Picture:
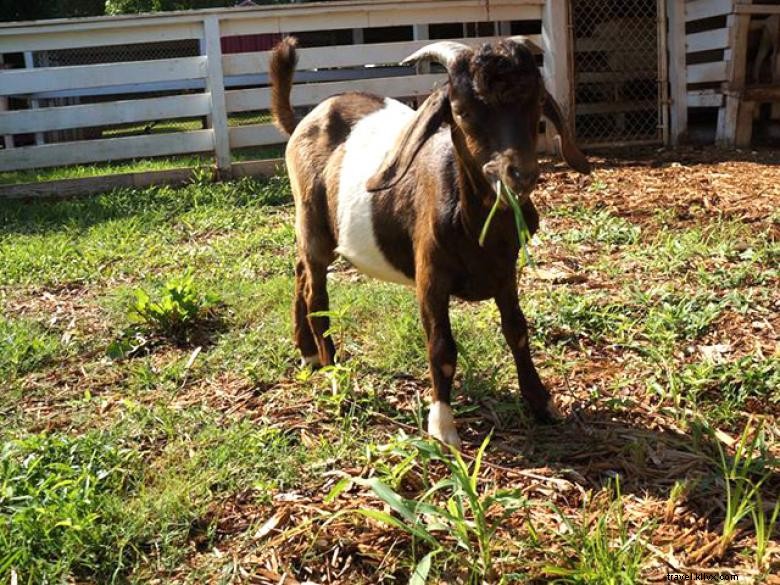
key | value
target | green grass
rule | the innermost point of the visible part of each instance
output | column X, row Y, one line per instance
column 136, row 165
column 25, row 346
column 605, row 551
column 139, row 464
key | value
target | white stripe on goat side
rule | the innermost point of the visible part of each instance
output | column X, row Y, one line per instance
column 365, row 149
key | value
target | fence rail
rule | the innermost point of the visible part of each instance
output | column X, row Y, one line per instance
column 217, row 87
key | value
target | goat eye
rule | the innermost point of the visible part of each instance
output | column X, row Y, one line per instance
column 462, row 115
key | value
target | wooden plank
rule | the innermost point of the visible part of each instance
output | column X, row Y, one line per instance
column 71, row 153
column 744, row 124
column 29, row 63
column 255, row 135
column 762, row 94
column 216, row 87
column 52, row 38
column 663, row 71
column 378, row 14
column 678, row 81
column 729, row 118
column 708, row 40
column 244, row 100
column 104, row 114
column 8, row 140
column 707, row 72
column 257, row 168
column 757, row 9
column 83, row 186
column 94, row 185
column 339, row 56
column 700, row 9
column 19, row 82
column 707, row 98
column 558, row 75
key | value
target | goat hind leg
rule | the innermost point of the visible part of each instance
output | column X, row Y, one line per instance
column 317, row 302
column 302, row 333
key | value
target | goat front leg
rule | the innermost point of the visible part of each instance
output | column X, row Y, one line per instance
column 515, row 329
column 442, row 357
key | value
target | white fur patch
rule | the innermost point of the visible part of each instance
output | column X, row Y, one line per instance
column 365, row 149
column 311, row 360
column 441, row 424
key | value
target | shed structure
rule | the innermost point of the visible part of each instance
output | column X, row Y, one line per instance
column 724, row 71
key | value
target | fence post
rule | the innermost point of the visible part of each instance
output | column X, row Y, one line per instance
column 215, row 84
column 558, row 72
column 8, row 139
column 735, row 118
column 678, row 75
column 29, row 63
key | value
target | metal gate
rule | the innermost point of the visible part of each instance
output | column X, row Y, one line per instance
column 619, row 81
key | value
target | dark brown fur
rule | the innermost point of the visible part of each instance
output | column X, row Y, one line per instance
column 431, row 200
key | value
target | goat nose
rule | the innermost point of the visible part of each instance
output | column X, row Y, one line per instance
column 515, row 173
column 521, row 178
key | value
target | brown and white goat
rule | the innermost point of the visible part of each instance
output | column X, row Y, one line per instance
column 403, row 195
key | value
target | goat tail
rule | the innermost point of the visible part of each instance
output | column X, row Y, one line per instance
column 283, row 61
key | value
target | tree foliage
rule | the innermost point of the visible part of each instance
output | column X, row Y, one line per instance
column 40, row 9
column 135, row 6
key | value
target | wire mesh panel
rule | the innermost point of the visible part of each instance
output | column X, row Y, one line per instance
column 616, row 70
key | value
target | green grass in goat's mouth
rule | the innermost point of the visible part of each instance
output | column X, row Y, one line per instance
column 523, row 234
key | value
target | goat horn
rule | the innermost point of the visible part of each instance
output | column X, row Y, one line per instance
column 444, row 52
column 528, row 43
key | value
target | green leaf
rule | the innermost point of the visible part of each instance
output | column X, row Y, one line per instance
column 478, row 461
column 420, row 573
column 341, row 485
column 391, row 498
column 386, row 518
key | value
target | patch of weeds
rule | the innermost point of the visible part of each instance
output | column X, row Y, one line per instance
column 671, row 250
column 567, row 316
column 764, row 525
column 603, row 227
column 24, row 347
column 452, row 515
column 178, row 312
column 60, row 506
column 723, row 387
column 603, row 550
column 672, row 316
column 743, row 476
column 735, row 276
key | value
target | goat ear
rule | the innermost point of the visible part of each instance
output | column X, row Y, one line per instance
column 430, row 116
column 571, row 153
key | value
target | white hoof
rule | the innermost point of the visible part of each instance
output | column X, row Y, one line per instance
column 441, row 424
column 311, row 360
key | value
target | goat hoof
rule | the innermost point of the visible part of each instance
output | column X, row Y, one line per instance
column 313, row 361
column 441, row 425
column 550, row 414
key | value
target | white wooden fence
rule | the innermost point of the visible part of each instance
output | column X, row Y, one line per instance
column 215, row 85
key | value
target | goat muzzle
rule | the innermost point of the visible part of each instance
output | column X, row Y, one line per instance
column 520, row 182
